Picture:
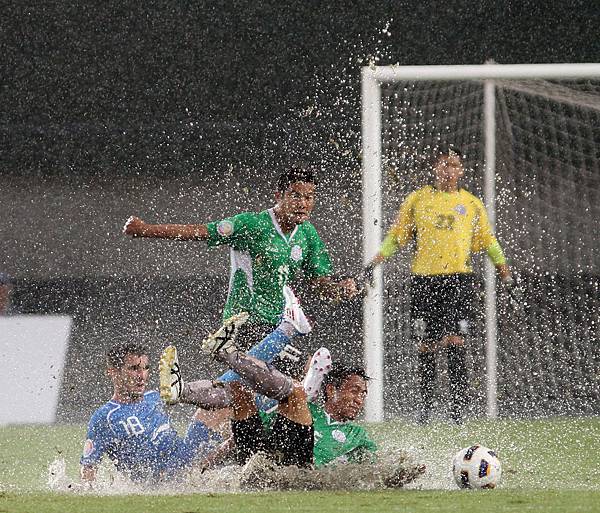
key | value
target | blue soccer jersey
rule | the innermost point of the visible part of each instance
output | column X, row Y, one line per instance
column 139, row 439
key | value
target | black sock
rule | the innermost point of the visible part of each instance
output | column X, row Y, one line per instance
column 427, row 385
column 457, row 372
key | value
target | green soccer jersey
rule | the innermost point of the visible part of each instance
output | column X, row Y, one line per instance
column 339, row 442
column 335, row 442
column 264, row 259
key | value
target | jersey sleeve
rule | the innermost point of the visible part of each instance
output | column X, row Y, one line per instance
column 402, row 231
column 98, row 435
column 232, row 231
column 318, row 261
column 483, row 236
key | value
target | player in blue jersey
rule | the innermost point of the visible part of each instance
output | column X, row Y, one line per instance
column 133, row 430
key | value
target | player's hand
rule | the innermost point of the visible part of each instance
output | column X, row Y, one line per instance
column 349, row 288
column 515, row 291
column 368, row 276
column 134, row 226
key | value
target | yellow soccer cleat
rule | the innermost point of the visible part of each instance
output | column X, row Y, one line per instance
column 223, row 340
column 169, row 375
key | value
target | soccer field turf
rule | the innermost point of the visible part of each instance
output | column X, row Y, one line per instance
column 549, row 465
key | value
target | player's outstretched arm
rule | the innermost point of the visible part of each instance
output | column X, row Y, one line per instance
column 136, row 227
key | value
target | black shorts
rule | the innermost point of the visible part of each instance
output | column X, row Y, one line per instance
column 286, row 442
column 441, row 305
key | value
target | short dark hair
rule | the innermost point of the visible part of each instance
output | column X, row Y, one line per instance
column 446, row 150
column 340, row 373
column 297, row 173
column 115, row 358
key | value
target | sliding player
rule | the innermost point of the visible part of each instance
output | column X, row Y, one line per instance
column 133, row 430
column 298, row 432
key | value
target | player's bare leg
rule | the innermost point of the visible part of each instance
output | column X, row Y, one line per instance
column 173, row 389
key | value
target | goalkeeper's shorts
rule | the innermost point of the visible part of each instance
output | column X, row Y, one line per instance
column 442, row 305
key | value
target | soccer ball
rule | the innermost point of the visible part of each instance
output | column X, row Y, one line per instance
column 476, row 467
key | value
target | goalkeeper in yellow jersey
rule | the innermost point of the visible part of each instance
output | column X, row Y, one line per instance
column 447, row 224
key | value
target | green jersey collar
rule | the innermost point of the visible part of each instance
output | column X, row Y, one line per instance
column 278, row 228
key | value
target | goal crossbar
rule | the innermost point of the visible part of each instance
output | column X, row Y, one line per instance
column 390, row 74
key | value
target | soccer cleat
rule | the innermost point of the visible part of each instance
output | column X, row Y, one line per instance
column 320, row 365
column 293, row 313
column 169, row 375
column 223, row 340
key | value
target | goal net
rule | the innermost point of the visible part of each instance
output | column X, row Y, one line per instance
column 546, row 185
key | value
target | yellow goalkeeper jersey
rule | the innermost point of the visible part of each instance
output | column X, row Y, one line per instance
column 447, row 228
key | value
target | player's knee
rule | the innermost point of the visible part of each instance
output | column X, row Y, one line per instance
column 453, row 341
column 295, row 405
column 298, row 393
column 427, row 347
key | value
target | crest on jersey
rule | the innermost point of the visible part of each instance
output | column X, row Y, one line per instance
column 225, row 228
column 460, row 209
column 296, row 253
column 88, row 448
column 338, row 436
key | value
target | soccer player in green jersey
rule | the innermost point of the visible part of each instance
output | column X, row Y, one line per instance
column 266, row 250
column 299, row 432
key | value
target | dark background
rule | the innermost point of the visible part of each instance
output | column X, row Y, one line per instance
column 185, row 112
column 180, row 87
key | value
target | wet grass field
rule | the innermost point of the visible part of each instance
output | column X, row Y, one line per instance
column 549, row 465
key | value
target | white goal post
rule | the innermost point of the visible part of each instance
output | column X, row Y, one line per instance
column 373, row 78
